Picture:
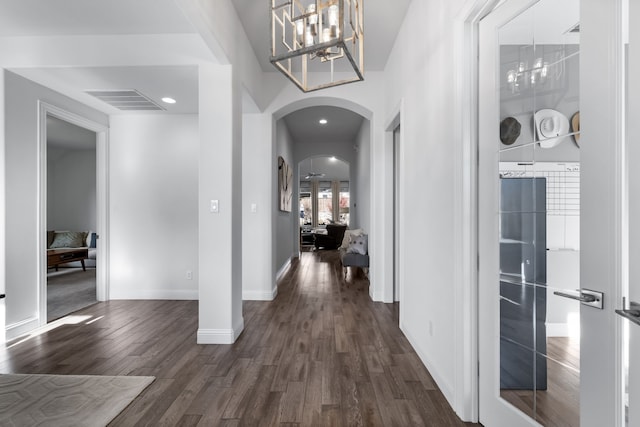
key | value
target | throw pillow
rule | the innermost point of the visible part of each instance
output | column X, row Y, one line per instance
column 68, row 239
column 358, row 245
column 347, row 237
column 92, row 243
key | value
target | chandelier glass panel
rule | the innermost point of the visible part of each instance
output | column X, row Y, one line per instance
column 318, row 44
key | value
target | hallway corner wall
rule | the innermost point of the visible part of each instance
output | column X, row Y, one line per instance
column 258, row 276
column 419, row 72
column 285, row 222
column 362, row 201
column 154, row 199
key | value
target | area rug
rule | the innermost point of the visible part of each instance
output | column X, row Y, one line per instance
column 65, row 400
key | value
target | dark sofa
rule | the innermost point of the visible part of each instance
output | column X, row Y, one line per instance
column 333, row 238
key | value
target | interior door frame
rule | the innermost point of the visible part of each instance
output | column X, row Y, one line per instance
column 397, row 199
column 465, row 177
column 603, row 160
column 394, row 180
column 102, row 201
column 633, row 151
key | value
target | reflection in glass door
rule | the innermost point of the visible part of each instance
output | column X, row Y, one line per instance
column 539, row 222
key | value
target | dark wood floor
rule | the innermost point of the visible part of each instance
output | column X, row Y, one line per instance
column 321, row 354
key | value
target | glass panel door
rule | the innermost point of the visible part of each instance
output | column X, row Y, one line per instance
column 539, row 167
column 325, row 203
column 532, row 166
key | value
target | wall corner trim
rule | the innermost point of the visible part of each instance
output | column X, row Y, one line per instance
column 220, row 336
column 23, row 327
column 445, row 386
column 283, row 270
column 260, row 295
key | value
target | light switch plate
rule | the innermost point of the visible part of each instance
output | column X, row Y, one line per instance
column 214, row 207
column 254, row 208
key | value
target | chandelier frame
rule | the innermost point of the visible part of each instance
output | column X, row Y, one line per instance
column 311, row 33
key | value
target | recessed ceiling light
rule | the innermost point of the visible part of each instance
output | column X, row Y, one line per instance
column 168, row 100
column 333, row 158
column 323, row 121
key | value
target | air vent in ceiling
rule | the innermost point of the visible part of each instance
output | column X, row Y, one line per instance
column 126, row 100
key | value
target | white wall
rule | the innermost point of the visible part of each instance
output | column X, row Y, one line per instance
column 71, row 189
column 153, row 206
column 284, row 221
column 419, row 72
column 361, row 200
column 21, row 194
column 220, row 27
column 257, row 279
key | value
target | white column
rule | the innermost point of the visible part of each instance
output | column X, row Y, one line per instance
column 220, row 240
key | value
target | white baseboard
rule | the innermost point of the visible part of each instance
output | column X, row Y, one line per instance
column 445, row 387
column 18, row 329
column 220, row 336
column 162, row 294
column 283, row 269
column 557, row 329
column 260, row 295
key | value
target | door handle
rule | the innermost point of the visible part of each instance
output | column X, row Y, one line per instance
column 580, row 297
column 632, row 313
column 585, row 296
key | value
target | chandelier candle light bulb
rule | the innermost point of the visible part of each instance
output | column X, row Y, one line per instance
column 313, row 19
column 308, row 38
column 334, row 14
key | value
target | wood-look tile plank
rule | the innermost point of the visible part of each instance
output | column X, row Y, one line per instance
column 322, row 353
column 175, row 414
column 292, row 403
column 369, row 405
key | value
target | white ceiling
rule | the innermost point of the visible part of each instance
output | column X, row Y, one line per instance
column 342, row 125
column 178, row 82
column 43, row 18
column 83, row 17
column 334, row 169
column 382, row 20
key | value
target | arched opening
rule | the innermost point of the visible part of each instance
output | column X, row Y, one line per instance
column 329, row 145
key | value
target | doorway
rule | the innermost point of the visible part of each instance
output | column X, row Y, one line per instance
column 323, row 195
column 73, row 216
column 396, row 213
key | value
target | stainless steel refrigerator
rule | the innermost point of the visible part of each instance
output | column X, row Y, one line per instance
column 523, row 280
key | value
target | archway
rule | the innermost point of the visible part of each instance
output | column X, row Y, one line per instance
column 324, row 130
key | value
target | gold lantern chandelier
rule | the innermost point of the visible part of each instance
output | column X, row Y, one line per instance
column 318, row 44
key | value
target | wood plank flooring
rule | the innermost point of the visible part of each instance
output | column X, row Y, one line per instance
column 320, row 354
